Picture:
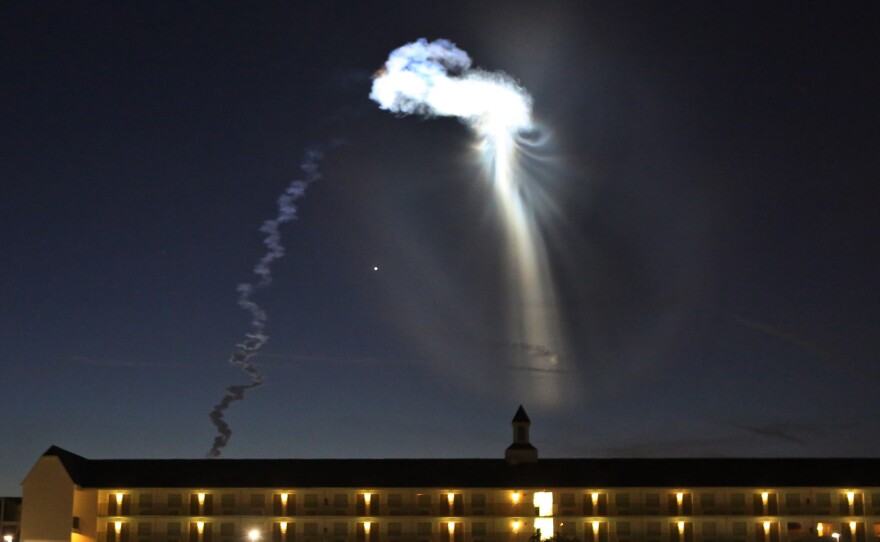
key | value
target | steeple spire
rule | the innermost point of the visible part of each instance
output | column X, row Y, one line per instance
column 521, row 451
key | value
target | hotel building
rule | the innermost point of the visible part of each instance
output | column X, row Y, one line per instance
column 516, row 499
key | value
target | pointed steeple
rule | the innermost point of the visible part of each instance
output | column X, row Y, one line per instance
column 521, row 451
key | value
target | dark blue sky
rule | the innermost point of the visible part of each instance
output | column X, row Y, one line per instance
column 715, row 243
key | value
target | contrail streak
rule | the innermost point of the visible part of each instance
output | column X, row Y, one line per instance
column 256, row 338
column 436, row 79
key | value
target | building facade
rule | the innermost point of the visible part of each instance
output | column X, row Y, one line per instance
column 516, row 499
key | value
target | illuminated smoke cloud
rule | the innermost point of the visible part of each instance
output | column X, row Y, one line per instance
column 256, row 338
column 436, row 79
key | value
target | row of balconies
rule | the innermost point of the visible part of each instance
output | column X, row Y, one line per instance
column 500, row 510
column 671, row 534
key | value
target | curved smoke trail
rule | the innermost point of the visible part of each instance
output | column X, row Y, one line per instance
column 256, row 338
column 436, row 79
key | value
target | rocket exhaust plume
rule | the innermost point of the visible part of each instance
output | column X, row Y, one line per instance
column 436, row 79
column 256, row 337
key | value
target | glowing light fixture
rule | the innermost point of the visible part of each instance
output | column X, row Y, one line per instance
column 595, row 498
column 254, row 535
column 284, row 497
column 201, row 499
column 367, row 528
column 118, row 527
column 119, row 499
column 282, row 527
column 764, row 497
column 451, row 527
column 820, row 529
column 852, row 527
column 680, row 527
column 679, row 498
column 595, row 527
column 516, row 525
column 367, row 498
column 7, row 537
column 515, row 497
column 835, row 536
column 766, row 527
column 451, row 498
column 850, row 497
column 200, row 526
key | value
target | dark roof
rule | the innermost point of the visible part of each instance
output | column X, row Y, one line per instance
column 521, row 416
column 454, row 473
column 521, row 446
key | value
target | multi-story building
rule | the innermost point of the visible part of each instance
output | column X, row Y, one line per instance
column 10, row 513
column 515, row 499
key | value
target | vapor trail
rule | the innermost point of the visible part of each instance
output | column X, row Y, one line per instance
column 256, row 337
column 436, row 79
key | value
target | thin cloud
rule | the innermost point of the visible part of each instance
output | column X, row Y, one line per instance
column 123, row 363
column 535, row 369
column 684, row 447
column 784, row 432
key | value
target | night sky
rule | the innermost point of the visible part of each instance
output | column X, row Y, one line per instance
column 711, row 171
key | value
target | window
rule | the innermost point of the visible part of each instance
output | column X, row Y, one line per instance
column 144, row 529
column 652, row 500
column 478, row 528
column 394, row 528
column 340, row 528
column 172, row 528
column 567, row 500
column 707, row 500
column 145, row 501
column 478, row 503
column 623, row 528
column 258, row 500
column 710, row 528
column 568, row 529
column 622, row 500
column 227, row 501
column 175, row 500
column 793, row 501
column 75, row 523
column 423, row 500
column 423, row 527
column 738, row 528
column 227, row 529
column 310, row 528
column 737, row 502
column 311, row 500
column 395, row 500
column 652, row 528
column 340, row 500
